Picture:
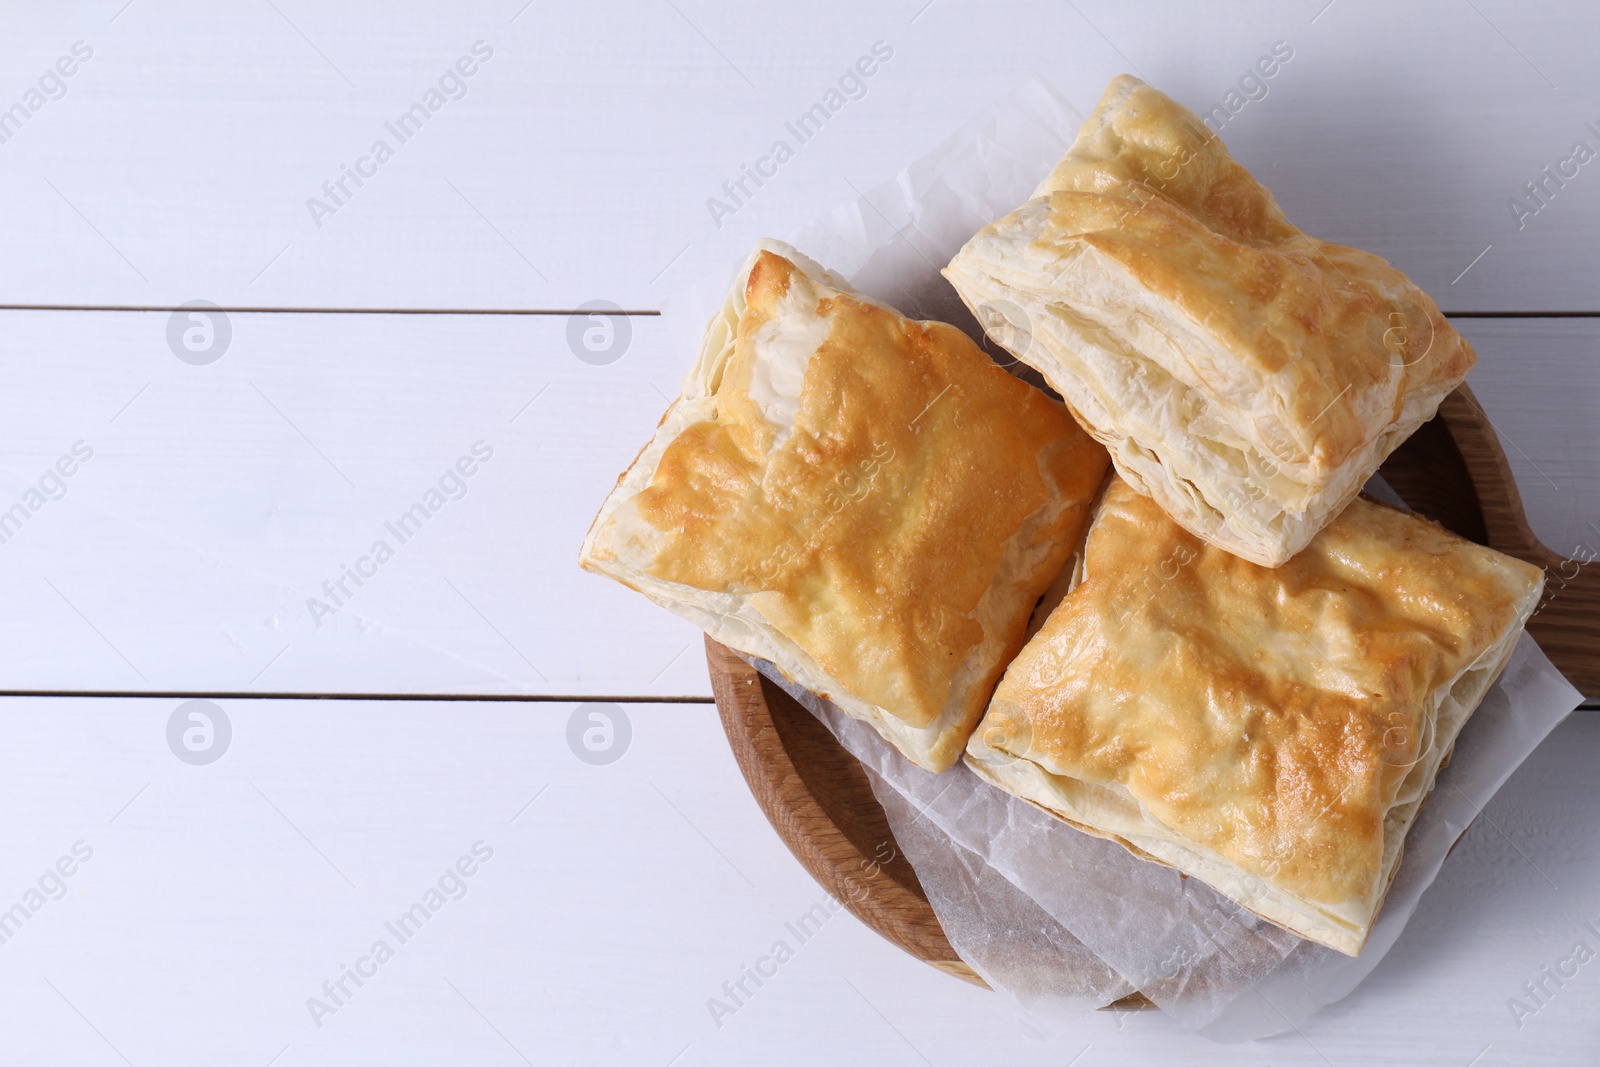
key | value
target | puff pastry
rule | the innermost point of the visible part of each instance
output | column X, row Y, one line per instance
column 867, row 501
column 1244, row 374
column 1272, row 732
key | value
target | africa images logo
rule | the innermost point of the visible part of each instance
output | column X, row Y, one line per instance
column 451, row 485
column 852, row 85
column 199, row 732
column 52, row 85
column 451, row 85
column 453, row 884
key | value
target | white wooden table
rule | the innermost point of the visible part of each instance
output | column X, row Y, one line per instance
column 372, row 336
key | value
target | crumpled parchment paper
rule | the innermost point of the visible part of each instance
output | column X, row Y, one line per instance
column 1063, row 921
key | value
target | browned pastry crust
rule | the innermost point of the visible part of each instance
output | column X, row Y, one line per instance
column 1270, row 731
column 1246, row 375
column 865, row 500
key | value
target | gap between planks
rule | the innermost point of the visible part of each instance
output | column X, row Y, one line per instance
column 630, row 312
column 132, row 308
column 498, row 698
column 1587, row 705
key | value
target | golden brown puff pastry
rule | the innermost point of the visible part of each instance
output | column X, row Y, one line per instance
column 1246, row 375
column 867, row 501
column 1272, row 732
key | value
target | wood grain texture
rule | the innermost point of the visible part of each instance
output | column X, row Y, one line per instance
column 816, row 795
column 1537, row 381
column 1567, row 622
column 818, row 798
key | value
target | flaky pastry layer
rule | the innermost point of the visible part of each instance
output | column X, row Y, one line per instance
column 1247, row 375
column 864, row 500
column 1272, row 732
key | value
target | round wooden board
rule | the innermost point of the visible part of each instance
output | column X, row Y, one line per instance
column 818, row 798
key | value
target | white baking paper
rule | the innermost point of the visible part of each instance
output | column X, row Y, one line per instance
column 1058, row 919
column 1208, row 963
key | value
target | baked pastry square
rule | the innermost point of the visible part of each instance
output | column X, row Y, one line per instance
column 1246, row 375
column 1272, row 732
column 867, row 501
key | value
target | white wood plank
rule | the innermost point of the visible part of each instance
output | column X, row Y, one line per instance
column 221, row 498
column 580, row 162
column 216, row 505
column 219, row 898
column 1539, row 382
